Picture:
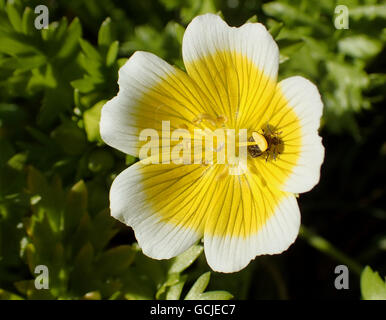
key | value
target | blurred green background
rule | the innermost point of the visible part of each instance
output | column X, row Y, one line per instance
column 55, row 172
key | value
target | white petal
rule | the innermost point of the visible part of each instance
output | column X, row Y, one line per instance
column 208, row 34
column 129, row 202
column 304, row 98
column 233, row 253
column 150, row 90
column 236, row 68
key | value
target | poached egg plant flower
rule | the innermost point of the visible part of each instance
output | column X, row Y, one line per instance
column 230, row 82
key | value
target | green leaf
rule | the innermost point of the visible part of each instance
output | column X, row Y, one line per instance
column 84, row 85
column 16, row 44
column 198, row 287
column 171, row 280
column 100, row 161
column 112, row 53
column 105, row 37
column 77, row 102
column 171, row 4
column 253, row 19
column 76, row 205
column 129, row 160
column 174, row 292
column 43, row 77
column 146, row 38
column 70, row 138
column 377, row 80
column 55, row 102
column 91, row 119
column 275, row 28
column 373, row 287
column 116, row 260
column 18, row 161
column 184, row 260
column 192, row 8
column 220, row 14
column 71, row 42
column 6, row 295
column 216, row 295
column 85, row 257
column 40, row 137
column 23, row 62
column 102, row 228
column 27, row 21
column 177, row 30
column 14, row 16
column 369, row 12
column 121, row 62
column 90, row 51
column 58, row 33
column 27, row 287
column 36, row 181
column 360, row 46
column 93, row 68
column 283, row 58
column 289, row 46
column 347, row 82
column 286, row 12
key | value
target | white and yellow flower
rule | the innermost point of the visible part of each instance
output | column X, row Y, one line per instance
column 231, row 82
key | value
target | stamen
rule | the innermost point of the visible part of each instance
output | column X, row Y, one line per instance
column 246, row 144
column 205, row 120
column 221, row 120
column 223, row 174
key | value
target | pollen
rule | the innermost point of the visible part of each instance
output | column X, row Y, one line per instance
column 205, row 121
column 260, row 140
column 258, row 146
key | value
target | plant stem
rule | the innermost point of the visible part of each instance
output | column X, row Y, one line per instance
column 326, row 247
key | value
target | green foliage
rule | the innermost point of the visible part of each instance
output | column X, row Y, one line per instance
column 72, row 241
column 36, row 61
column 373, row 287
column 197, row 290
column 91, row 119
column 55, row 171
